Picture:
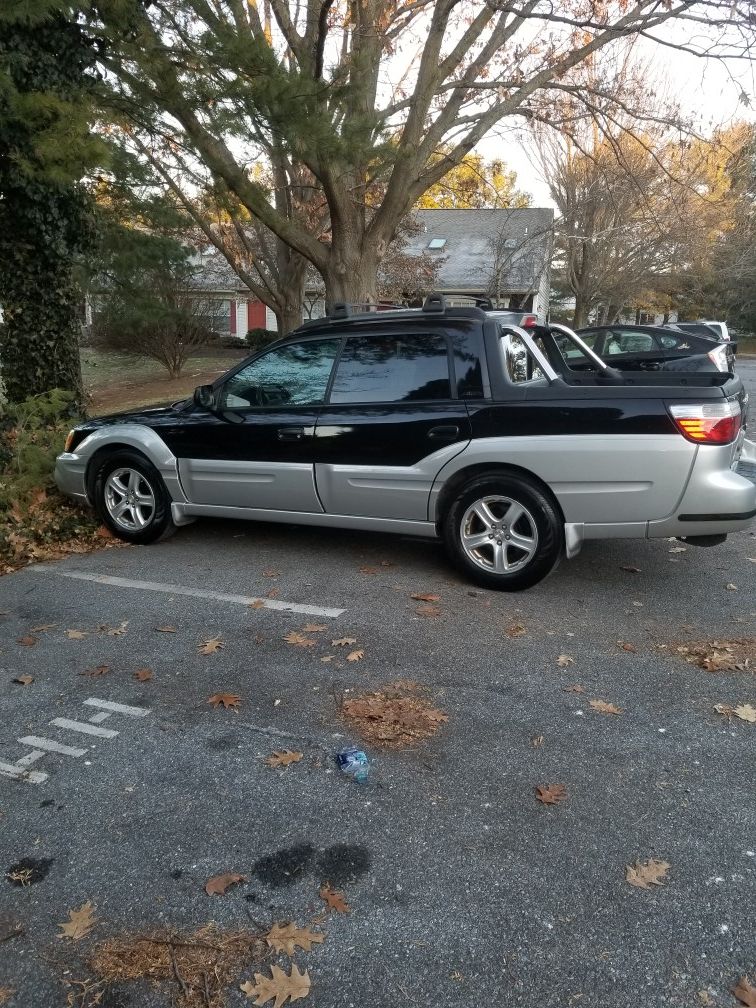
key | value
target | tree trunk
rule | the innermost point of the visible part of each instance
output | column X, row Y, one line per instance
column 355, row 284
column 582, row 307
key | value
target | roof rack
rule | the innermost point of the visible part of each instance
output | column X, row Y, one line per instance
column 434, row 303
column 339, row 309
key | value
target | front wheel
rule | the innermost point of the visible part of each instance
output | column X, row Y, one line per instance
column 131, row 498
column 503, row 532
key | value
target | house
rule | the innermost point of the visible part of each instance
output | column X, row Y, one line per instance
column 503, row 255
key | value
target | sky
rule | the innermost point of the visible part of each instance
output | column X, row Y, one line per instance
column 705, row 88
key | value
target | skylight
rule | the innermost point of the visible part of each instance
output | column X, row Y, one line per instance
column 436, row 243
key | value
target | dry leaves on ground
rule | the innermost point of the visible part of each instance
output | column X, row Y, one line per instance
column 314, row 628
column 564, row 660
column 425, row 597
column 393, row 717
column 24, row 680
column 604, row 707
column 428, row 611
column 299, row 640
column 327, row 658
column 210, row 646
column 537, row 741
column 166, row 629
column 644, row 874
column 343, row 642
column 219, row 884
column 76, row 634
column 193, row 970
column 721, row 656
column 97, row 672
column 6, row 993
column 225, row 700
column 80, row 922
column 627, row 647
column 43, row 627
column 271, row 573
column 27, row 641
column 745, row 992
column 551, row 794
column 629, row 569
column 283, row 758
column 257, row 604
column 142, row 675
column 516, row 630
column 280, row 987
column 335, row 900
column 288, row 937
column 368, row 570
column 746, row 712
column 110, row 631
column 355, row 656
column 574, row 688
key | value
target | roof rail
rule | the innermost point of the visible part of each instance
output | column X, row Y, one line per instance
column 339, row 309
column 434, row 303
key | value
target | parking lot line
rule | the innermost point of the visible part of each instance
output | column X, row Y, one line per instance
column 115, row 708
column 83, row 727
column 173, row 589
column 14, row 770
column 50, row 746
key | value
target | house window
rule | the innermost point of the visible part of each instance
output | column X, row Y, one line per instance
column 436, row 243
column 218, row 314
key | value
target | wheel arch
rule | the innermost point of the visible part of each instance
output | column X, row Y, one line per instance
column 102, row 453
column 451, row 486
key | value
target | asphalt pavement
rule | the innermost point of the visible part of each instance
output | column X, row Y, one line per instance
column 464, row 889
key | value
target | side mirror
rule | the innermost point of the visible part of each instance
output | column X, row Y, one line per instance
column 204, row 397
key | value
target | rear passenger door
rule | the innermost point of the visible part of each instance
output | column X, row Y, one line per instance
column 391, row 422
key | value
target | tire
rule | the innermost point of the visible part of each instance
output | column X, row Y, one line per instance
column 127, row 476
column 478, row 532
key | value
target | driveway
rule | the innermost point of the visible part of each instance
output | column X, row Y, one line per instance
column 464, row 888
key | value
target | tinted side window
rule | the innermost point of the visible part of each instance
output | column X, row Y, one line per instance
column 392, row 369
column 294, row 375
column 620, row 341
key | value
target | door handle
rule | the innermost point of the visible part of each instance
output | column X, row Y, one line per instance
column 446, row 432
column 290, row 433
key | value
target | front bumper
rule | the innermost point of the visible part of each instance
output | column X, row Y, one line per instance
column 70, row 476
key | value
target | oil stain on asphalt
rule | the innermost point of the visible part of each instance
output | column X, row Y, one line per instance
column 338, row 864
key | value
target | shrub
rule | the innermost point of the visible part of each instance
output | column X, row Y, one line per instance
column 258, row 339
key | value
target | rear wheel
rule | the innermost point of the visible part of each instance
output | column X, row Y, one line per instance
column 131, row 498
column 504, row 532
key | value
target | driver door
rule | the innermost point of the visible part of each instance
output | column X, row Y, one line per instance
column 256, row 450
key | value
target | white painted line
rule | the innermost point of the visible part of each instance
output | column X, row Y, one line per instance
column 83, row 727
column 31, row 776
column 173, row 589
column 50, row 746
column 117, row 708
column 102, row 716
column 30, row 758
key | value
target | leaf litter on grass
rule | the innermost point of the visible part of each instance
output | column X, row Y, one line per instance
column 397, row 715
column 194, row 970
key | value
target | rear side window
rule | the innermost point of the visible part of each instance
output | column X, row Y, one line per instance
column 620, row 341
column 519, row 363
column 392, row 368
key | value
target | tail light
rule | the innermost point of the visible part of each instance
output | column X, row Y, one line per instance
column 528, row 321
column 708, row 423
column 718, row 357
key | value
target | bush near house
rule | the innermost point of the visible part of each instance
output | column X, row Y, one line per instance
column 258, row 339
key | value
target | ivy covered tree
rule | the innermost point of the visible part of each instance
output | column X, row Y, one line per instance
column 45, row 225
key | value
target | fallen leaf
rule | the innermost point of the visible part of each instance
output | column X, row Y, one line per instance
column 395, row 716
column 166, row 629
column 745, row 992
column 604, row 707
column 355, row 656
column 225, row 699
column 627, row 647
column 725, row 710
column 575, row 688
column 6, row 993
column 425, row 597
column 95, row 673
column 428, row 611
column 630, row 570
column 368, row 570
column 80, row 922
column 257, row 604
column 745, row 712
column 271, row 573
column 314, row 628
column 731, row 587
column 143, row 675
column 273, row 593
column 644, row 874
column 537, row 741
column 334, row 899
column 705, row 998
column 118, row 631
column 343, row 641
column 24, row 680
column 678, row 549
column 283, row 758
column 76, row 634
column 551, row 794
column 299, row 640
column 516, row 630
column 210, row 646
column 43, row 627
column 288, row 937
column 327, row 658
column 27, row 641
column 218, row 884
column 280, row 985
column 564, row 660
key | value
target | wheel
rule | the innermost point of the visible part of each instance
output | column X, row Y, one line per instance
column 503, row 532
column 131, row 499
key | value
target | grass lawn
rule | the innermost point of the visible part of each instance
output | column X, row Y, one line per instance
column 116, row 381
